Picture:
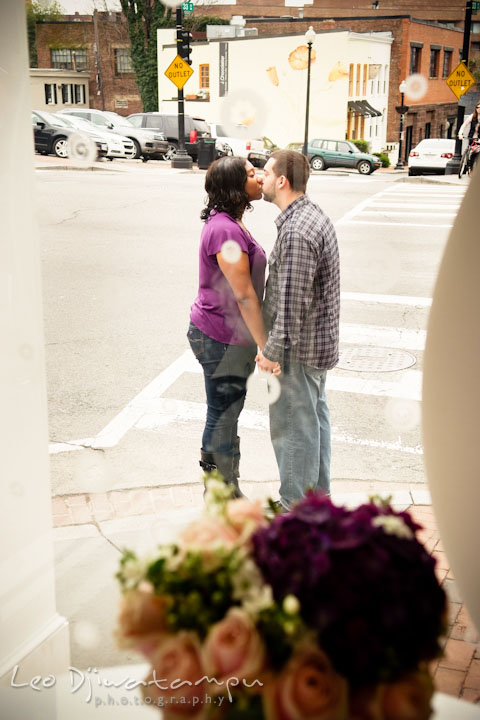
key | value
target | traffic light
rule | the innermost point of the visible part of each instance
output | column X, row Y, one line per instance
column 183, row 45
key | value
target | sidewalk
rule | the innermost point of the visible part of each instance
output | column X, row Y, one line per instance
column 157, row 513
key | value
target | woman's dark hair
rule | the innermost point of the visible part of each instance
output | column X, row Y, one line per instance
column 225, row 185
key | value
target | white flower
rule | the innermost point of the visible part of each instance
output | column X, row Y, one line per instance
column 134, row 571
column 250, row 589
column 393, row 525
column 217, row 494
column 291, row 605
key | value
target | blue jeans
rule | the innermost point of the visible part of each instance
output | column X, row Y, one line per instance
column 300, row 432
column 226, row 369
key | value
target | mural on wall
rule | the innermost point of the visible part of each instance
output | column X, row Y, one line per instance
column 282, row 81
column 338, row 72
column 298, row 58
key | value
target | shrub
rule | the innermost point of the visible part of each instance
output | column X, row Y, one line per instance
column 384, row 158
column 362, row 145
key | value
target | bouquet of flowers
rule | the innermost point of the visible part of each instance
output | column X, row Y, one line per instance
column 322, row 613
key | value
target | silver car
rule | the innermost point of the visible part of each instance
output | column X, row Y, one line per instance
column 146, row 143
column 118, row 146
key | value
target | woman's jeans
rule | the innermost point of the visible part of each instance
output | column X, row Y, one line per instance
column 226, row 369
column 300, row 432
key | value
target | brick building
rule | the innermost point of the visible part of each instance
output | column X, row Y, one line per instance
column 445, row 12
column 100, row 44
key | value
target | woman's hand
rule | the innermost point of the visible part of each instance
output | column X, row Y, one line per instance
column 267, row 365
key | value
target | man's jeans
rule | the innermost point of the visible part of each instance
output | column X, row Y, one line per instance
column 225, row 369
column 300, row 432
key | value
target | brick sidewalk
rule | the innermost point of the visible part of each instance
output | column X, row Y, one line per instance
column 456, row 673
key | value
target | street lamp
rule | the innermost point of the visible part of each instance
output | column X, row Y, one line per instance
column 309, row 39
column 402, row 109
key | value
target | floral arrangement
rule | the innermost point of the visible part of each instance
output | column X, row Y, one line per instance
column 322, row 613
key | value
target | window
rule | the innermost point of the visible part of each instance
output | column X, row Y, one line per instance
column 50, row 94
column 204, row 73
column 123, row 61
column 136, row 120
column 365, row 77
column 350, row 80
column 79, row 94
column 441, row 131
column 66, row 94
column 343, row 147
column 359, row 72
column 415, row 57
column 447, row 62
column 385, row 76
column 434, row 58
column 428, row 129
column 66, row 59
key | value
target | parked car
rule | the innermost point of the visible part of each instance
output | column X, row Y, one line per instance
column 431, row 156
column 167, row 124
column 117, row 145
column 51, row 134
column 146, row 144
column 323, row 154
column 242, row 145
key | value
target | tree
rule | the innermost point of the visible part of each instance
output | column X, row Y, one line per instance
column 38, row 12
column 143, row 18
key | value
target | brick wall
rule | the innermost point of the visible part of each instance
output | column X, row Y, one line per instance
column 442, row 10
column 111, row 33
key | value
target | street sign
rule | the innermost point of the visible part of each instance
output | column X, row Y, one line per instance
column 460, row 80
column 178, row 72
column 187, row 7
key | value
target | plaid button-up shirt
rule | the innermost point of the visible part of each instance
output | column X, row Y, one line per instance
column 302, row 297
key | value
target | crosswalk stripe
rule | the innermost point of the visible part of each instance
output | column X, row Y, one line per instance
column 182, row 412
column 397, row 224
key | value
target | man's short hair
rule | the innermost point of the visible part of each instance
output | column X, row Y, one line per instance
column 294, row 166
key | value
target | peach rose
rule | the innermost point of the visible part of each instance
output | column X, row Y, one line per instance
column 206, row 534
column 409, row 698
column 141, row 622
column 177, row 677
column 233, row 650
column 245, row 516
column 307, row 689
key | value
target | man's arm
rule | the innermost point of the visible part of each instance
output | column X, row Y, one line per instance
column 297, row 266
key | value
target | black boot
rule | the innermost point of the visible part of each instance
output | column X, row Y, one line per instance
column 224, row 464
column 236, row 467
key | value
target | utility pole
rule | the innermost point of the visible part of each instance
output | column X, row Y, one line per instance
column 181, row 159
column 453, row 165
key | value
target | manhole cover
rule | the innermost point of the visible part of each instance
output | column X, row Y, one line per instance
column 375, row 359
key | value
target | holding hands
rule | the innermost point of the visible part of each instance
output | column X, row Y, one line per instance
column 267, row 365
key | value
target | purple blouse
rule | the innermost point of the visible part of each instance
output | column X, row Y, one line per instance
column 215, row 311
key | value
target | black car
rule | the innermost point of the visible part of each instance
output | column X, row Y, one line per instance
column 51, row 135
column 195, row 130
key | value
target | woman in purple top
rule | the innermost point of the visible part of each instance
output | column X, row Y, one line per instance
column 226, row 322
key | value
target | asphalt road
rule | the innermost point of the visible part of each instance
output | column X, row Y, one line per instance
column 119, row 253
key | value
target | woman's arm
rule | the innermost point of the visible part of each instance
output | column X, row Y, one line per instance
column 463, row 128
column 239, row 279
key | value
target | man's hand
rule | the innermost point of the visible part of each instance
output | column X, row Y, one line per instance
column 267, row 365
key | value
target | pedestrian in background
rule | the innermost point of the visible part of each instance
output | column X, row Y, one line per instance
column 226, row 324
column 471, row 126
column 301, row 312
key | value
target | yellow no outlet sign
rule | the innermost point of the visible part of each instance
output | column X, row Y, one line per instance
column 461, row 80
column 178, row 72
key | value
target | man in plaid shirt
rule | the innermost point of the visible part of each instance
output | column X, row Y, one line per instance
column 301, row 311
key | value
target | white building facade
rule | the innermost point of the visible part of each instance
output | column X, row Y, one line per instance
column 261, row 82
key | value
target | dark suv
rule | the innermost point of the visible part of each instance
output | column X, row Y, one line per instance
column 168, row 125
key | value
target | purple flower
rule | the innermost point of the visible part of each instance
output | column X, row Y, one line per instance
column 364, row 582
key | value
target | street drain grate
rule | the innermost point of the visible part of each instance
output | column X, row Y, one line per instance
column 375, row 359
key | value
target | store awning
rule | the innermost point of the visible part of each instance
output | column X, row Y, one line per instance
column 363, row 107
